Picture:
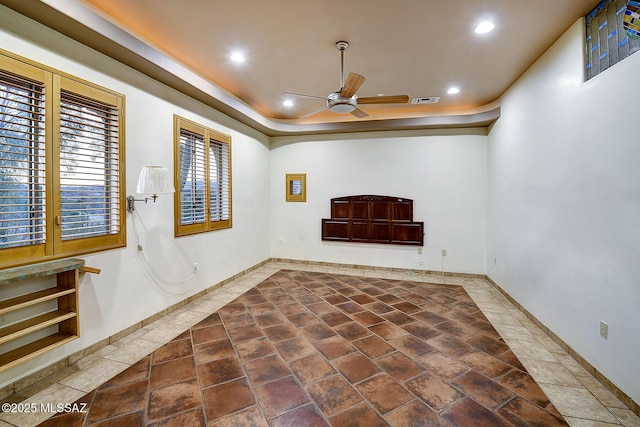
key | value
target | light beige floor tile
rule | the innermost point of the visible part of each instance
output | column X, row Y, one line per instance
column 579, row 422
column 577, row 403
column 95, row 356
column 626, row 417
column 94, row 375
column 551, row 373
column 524, row 350
column 600, row 392
column 164, row 333
column 133, row 351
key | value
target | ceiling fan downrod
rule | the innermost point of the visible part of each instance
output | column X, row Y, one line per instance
column 342, row 46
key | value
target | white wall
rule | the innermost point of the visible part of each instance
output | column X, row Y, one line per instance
column 564, row 204
column 443, row 172
column 124, row 293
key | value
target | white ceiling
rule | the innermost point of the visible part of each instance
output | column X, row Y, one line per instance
column 415, row 47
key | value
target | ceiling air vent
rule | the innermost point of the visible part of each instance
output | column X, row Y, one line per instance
column 426, row 100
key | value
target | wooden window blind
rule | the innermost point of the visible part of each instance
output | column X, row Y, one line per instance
column 61, row 165
column 203, row 162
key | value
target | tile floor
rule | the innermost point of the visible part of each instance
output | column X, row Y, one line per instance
column 347, row 351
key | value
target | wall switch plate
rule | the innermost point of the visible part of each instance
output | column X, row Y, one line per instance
column 444, row 252
column 420, row 250
column 604, row 329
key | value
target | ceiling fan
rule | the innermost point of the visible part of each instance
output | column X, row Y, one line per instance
column 345, row 100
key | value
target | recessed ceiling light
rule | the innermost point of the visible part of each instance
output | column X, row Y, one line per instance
column 288, row 103
column 237, row 57
column 484, row 27
column 453, row 90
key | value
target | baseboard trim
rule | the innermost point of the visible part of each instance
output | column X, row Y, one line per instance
column 621, row 395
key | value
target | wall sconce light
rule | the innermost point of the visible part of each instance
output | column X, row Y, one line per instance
column 153, row 180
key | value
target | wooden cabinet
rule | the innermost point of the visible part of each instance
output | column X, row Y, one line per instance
column 373, row 219
column 41, row 317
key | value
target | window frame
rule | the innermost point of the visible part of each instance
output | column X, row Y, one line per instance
column 53, row 246
column 209, row 137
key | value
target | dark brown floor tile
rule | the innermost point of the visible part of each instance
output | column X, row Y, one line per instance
column 219, row 371
column 281, row 332
column 174, row 399
column 399, row 318
column 421, row 330
column 266, row 369
column 488, row 345
column 232, row 308
column 415, row 299
column 350, row 307
column 270, row 319
column 262, row 309
column 482, row 389
column 412, row 346
column 71, row 419
column 306, row 416
column 321, row 308
column 352, row 331
column 485, row 364
column 309, row 299
column 456, row 328
column 399, row 366
column 436, row 393
column 359, row 416
column 442, row 365
column 384, row 393
column 406, row 307
column 511, row 359
column 171, row 372
column 389, row 298
column 280, row 396
column 212, row 351
column 379, row 308
column 336, row 299
column 245, row 333
column 312, row 368
column 334, row 347
column 172, row 350
column 367, row 318
column 451, row 345
column 295, row 348
column 430, row 318
column 134, row 419
column 417, row 414
column 388, row 330
column 335, row 318
column 372, row 290
column 213, row 319
column 362, row 298
column 226, row 398
column 470, row 413
column 373, row 346
column 355, row 367
column 253, row 299
column 333, row 395
column 292, row 308
column 247, row 417
column 208, row 334
column 194, row 418
column 522, row 383
column 136, row 372
column 238, row 320
column 305, row 318
column 521, row 412
column 254, row 349
column 118, row 400
column 317, row 331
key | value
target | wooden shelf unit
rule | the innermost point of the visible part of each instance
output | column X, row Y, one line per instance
column 65, row 316
column 373, row 219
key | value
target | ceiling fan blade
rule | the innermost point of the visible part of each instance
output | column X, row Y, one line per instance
column 303, row 95
column 359, row 113
column 326, row 107
column 351, row 86
column 390, row 99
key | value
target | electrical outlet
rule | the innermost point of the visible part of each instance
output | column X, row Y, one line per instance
column 444, row 252
column 281, row 242
column 604, row 329
column 196, row 267
column 420, row 250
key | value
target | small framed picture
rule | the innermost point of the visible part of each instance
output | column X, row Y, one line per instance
column 296, row 190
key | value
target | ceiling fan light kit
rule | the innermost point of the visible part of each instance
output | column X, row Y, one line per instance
column 345, row 100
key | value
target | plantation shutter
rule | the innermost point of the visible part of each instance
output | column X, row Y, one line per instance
column 192, row 178
column 219, row 181
column 89, row 167
column 22, row 161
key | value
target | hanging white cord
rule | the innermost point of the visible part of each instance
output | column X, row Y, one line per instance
column 149, row 268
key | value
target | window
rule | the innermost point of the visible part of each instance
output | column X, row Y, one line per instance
column 612, row 34
column 203, row 179
column 60, row 165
